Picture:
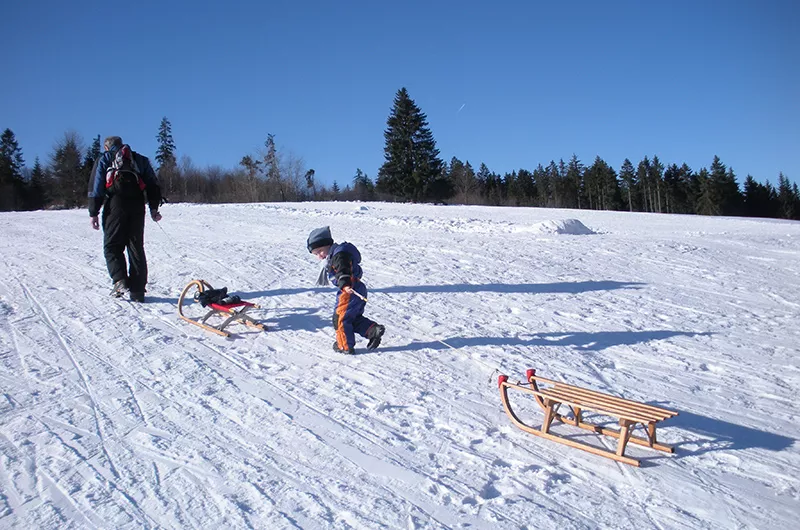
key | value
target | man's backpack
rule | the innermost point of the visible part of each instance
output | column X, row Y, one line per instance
column 123, row 175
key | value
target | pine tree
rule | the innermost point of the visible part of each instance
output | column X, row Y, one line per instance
column 69, row 171
column 796, row 200
column 573, row 185
column 483, row 180
column 758, row 199
column 272, row 167
column 38, row 196
column 642, row 179
column 412, row 168
column 628, row 178
column 167, row 170
column 655, row 177
column 463, row 178
column 526, row 184
column 706, row 200
column 787, row 198
column 92, row 154
column 252, row 168
column 362, row 186
column 558, row 174
column 602, row 188
column 165, row 154
column 512, row 188
column 13, row 188
column 723, row 189
column 544, row 187
column 95, row 150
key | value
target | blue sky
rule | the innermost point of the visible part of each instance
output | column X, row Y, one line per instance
column 534, row 81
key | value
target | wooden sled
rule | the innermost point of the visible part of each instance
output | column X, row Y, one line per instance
column 628, row 413
column 234, row 312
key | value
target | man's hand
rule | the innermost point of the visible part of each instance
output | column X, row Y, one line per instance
column 155, row 216
column 95, row 222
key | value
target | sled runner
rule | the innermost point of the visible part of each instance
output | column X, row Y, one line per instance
column 578, row 400
column 218, row 303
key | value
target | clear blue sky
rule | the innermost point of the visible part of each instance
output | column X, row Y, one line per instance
column 534, row 80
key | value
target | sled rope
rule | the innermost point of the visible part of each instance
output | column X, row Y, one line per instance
column 436, row 339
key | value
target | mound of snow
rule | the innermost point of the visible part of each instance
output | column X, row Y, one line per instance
column 562, row 226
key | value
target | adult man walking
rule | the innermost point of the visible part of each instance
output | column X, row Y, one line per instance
column 121, row 178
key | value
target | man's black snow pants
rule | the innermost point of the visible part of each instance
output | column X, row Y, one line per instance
column 123, row 227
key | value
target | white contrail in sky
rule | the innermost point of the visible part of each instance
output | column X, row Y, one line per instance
column 461, row 107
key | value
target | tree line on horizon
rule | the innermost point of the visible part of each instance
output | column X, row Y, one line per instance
column 412, row 172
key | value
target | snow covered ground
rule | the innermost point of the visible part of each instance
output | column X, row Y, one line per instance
column 116, row 415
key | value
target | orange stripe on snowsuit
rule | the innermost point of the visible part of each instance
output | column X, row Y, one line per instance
column 341, row 309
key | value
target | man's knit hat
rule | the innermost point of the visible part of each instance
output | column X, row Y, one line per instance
column 319, row 237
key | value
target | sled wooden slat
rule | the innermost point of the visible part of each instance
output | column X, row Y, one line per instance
column 612, row 401
column 560, row 384
column 595, row 406
column 628, row 413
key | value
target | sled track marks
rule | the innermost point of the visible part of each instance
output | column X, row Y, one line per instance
column 84, row 380
column 325, row 429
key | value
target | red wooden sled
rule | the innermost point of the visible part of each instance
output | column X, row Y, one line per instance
column 234, row 312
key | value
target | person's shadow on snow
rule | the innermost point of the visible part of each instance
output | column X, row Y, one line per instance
column 292, row 318
column 531, row 288
column 585, row 341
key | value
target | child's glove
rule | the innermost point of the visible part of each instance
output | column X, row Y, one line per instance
column 343, row 281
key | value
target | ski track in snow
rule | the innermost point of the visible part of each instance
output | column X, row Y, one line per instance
column 119, row 415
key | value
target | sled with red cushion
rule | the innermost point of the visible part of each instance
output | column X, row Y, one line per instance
column 231, row 312
column 580, row 400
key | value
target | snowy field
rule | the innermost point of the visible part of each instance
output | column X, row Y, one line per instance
column 116, row 415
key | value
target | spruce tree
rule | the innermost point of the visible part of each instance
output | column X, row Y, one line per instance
column 12, row 185
column 95, row 150
column 758, row 199
column 362, row 186
column 602, row 188
column 38, row 196
column 628, row 178
column 412, row 169
column 69, row 172
column 165, row 154
column 573, row 185
column 463, row 178
column 92, row 154
column 272, row 167
column 167, row 170
column 483, row 180
column 787, row 199
column 526, row 186
column 706, row 202
column 544, row 187
column 643, row 174
column 656, row 179
column 723, row 188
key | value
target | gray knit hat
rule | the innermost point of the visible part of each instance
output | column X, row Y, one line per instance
column 319, row 237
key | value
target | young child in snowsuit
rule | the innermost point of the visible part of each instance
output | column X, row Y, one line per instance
column 343, row 268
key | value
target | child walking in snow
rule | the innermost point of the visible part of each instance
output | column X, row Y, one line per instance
column 343, row 269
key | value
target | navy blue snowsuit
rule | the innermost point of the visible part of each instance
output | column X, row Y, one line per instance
column 344, row 269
